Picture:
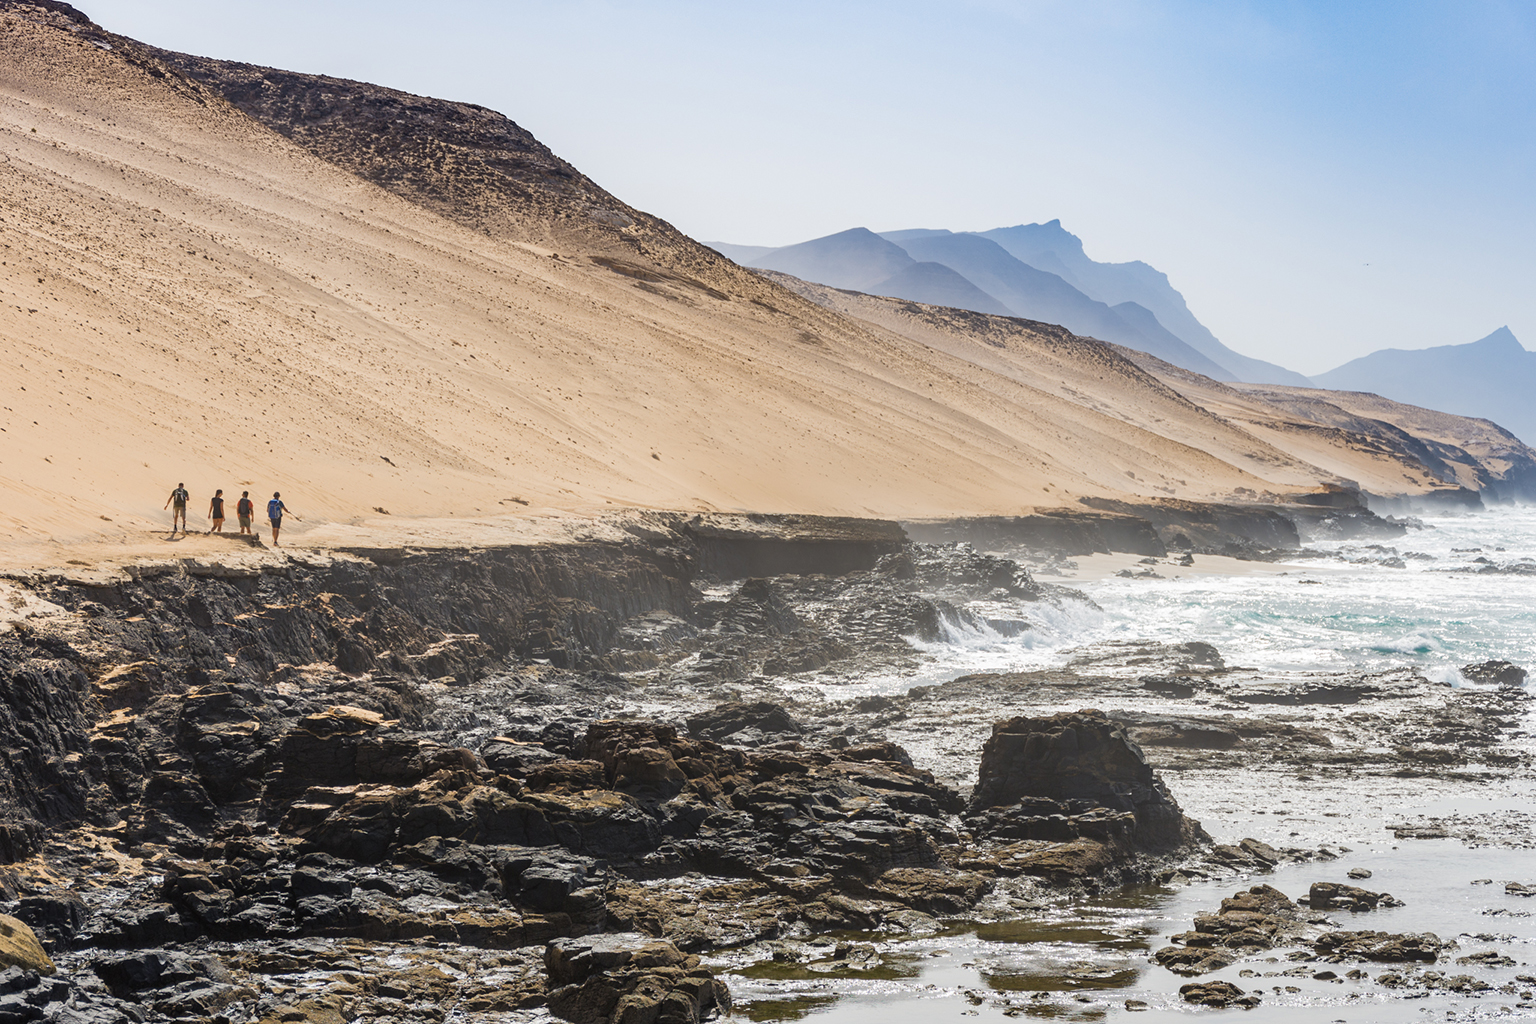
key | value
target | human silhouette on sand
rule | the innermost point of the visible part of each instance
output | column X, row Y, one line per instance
column 275, row 510
column 178, row 499
column 244, row 510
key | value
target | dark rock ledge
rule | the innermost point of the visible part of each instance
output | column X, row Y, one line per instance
column 251, row 792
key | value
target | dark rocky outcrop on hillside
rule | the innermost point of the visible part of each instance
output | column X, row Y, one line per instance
column 460, row 160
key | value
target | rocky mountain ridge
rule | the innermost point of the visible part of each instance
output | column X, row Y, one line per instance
column 1036, row 271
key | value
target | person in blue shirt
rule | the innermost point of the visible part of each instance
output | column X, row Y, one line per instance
column 275, row 512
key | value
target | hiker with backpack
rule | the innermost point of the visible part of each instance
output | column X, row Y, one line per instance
column 177, row 502
column 244, row 510
column 275, row 511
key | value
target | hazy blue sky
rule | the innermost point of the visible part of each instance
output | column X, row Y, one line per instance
column 1320, row 178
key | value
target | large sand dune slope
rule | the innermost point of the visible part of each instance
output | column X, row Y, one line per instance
column 190, row 291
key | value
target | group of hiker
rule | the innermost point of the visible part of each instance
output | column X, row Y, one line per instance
column 245, row 509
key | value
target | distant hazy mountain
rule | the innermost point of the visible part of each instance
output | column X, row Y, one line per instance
column 1051, row 247
column 1034, row 271
column 938, row 285
column 1039, row 295
column 1493, row 378
column 742, row 254
column 857, row 259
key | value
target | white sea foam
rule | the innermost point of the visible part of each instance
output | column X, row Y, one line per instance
column 1437, row 613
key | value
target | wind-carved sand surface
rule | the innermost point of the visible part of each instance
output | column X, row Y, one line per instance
column 186, row 295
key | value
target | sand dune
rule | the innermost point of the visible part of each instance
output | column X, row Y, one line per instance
column 188, row 295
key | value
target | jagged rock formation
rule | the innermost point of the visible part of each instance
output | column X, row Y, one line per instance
column 1075, row 776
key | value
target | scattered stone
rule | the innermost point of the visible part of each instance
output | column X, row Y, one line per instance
column 1419, row 832
column 1359, row 874
column 1332, row 895
column 1217, row 994
column 1380, row 947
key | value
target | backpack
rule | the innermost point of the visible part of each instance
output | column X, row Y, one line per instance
column 179, row 495
column 243, row 507
column 274, row 509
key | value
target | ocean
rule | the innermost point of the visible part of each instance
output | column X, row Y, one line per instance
column 1455, row 590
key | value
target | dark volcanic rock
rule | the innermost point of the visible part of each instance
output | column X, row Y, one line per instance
column 625, row 977
column 171, row 983
column 1218, row 994
column 1495, row 673
column 1381, row 947
column 1328, row 895
column 726, row 720
column 1075, row 775
column 1257, row 919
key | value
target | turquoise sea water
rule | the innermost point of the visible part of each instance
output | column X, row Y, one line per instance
column 1344, row 611
column 1424, row 601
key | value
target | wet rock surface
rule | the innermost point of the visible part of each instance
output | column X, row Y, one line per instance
column 385, row 786
column 317, row 768
column 1252, row 923
column 1075, row 776
column 1217, row 994
column 626, row 977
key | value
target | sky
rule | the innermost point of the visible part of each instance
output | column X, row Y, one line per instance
column 1320, row 178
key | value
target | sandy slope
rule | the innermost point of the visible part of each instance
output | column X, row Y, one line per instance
column 1381, row 446
column 1496, row 451
column 185, row 295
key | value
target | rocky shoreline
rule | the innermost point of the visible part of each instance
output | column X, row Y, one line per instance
column 403, row 785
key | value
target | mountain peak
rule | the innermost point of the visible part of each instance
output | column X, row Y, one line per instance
column 1501, row 339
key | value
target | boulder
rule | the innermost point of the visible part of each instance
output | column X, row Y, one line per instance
column 1260, row 918
column 723, row 721
column 1380, row 947
column 1495, row 673
column 19, row 947
column 512, row 757
column 1191, row 961
column 1218, row 994
column 172, row 984
column 1331, row 895
column 27, row 996
column 1076, row 763
column 758, row 608
column 625, row 977
column 56, row 918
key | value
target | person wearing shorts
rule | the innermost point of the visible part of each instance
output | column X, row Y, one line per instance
column 275, row 511
column 216, row 511
column 244, row 510
column 177, row 503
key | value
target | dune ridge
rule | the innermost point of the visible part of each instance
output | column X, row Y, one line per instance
column 191, row 292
